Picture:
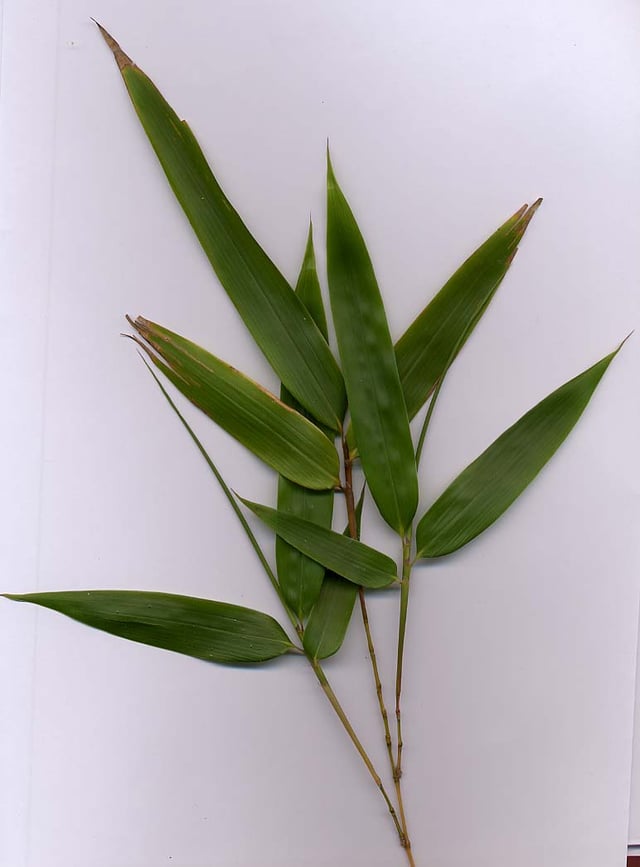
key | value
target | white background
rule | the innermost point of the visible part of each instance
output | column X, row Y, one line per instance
column 443, row 119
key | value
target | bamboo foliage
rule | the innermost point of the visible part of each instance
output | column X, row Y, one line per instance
column 357, row 407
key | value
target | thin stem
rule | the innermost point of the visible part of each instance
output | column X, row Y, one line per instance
column 404, row 605
column 376, row 675
column 348, row 491
column 402, row 627
column 403, row 821
column 353, row 532
column 335, row 704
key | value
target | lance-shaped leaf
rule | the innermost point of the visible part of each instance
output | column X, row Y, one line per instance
column 213, row 631
column 277, row 320
column 425, row 349
column 277, row 434
column 347, row 557
column 300, row 578
column 378, row 412
column 329, row 620
column 432, row 342
column 489, row 485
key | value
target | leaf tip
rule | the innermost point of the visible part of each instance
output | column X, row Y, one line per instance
column 526, row 217
column 331, row 178
column 139, row 324
column 122, row 59
column 625, row 340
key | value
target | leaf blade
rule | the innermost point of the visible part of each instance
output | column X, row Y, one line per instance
column 276, row 318
column 299, row 577
column 489, row 485
column 201, row 628
column 308, row 287
column 376, row 402
column 347, row 557
column 441, row 329
column 330, row 618
column 277, row 434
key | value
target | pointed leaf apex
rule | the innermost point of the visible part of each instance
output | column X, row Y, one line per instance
column 122, row 59
column 520, row 213
column 309, row 253
column 331, row 178
column 526, row 217
column 624, row 341
column 248, row 503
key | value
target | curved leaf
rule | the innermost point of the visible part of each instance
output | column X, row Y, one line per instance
column 300, row 577
column 277, row 320
column 425, row 349
column 376, row 402
column 489, row 485
column 277, row 434
column 347, row 557
column 213, row 631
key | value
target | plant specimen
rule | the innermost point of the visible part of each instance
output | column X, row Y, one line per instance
column 331, row 416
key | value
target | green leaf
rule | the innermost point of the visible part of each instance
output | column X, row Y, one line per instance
column 432, row 342
column 377, row 406
column 308, row 287
column 213, row 631
column 489, row 485
column 277, row 434
column 426, row 348
column 329, row 620
column 277, row 320
column 300, row 578
column 347, row 557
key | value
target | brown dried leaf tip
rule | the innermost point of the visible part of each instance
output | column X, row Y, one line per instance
column 122, row 59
